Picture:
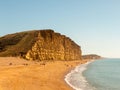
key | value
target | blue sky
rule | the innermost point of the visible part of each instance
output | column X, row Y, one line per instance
column 93, row 24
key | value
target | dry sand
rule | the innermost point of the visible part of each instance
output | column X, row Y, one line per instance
column 19, row 74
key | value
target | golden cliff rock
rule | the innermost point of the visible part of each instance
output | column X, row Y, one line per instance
column 39, row 45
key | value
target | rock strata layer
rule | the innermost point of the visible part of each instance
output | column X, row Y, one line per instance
column 40, row 45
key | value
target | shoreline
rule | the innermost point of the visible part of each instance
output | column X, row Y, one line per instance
column 26, row 75
column 78, row 69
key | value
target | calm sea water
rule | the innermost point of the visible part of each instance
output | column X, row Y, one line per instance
column 98, row 75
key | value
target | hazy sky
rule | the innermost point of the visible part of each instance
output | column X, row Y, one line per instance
column 93, row 24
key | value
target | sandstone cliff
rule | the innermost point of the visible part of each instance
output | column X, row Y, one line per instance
column 39, row 45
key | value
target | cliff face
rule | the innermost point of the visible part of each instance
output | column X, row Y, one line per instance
column 41, row 45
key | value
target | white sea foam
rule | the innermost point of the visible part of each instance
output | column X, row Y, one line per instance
column 76, row 79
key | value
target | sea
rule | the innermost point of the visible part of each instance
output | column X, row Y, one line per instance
column 103, row 74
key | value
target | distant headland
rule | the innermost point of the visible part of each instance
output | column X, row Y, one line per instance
column 91, row 56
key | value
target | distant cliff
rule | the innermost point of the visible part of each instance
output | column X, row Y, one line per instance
column 39, row 45
column 91, row 56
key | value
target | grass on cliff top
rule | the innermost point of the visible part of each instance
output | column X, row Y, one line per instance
column 14, row 44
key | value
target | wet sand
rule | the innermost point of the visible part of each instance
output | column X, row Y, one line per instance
column 19, row 74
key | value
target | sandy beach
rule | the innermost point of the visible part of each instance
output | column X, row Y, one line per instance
column 19, row 74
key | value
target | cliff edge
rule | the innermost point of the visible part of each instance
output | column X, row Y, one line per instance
column 39, row 45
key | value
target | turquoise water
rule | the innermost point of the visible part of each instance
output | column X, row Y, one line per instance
column 104, row 74
column 98, row 75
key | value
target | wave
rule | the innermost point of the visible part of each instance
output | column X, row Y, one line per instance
column 76, row 80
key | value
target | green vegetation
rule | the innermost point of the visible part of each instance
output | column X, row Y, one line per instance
column 17, row 43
